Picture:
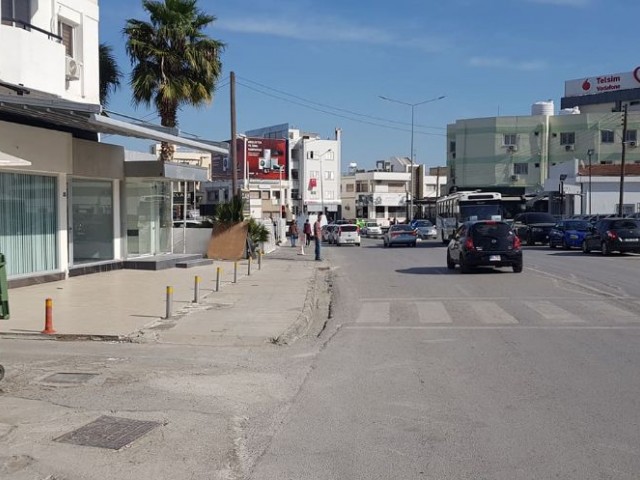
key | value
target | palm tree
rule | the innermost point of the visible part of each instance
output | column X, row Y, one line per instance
column 174, row 62
column 109, row 73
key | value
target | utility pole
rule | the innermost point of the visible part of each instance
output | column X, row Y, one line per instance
column 233, row 150
column 622, row 160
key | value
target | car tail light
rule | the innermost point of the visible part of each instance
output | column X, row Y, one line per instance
column 395, row 234
column 357, row 230
column 516, row 242
column 612, row 234
column 468, row 244
column 414, row 233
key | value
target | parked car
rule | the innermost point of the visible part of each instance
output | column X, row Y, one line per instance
column 347, row 235
column 400, row 235
column 372, row 229
column 568, row 233
column 613, row 235
column 425, row 229
column 326, row 232
column 484, row 243
column 533, row 227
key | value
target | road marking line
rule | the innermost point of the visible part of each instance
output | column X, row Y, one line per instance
column 552, row 312
column 490, row 312
column 432, row 312
column 612, row 312
column 374, row 313
column 492, row 327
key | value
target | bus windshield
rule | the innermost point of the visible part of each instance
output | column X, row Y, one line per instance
column 480, row 212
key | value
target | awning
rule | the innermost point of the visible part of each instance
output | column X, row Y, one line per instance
column 56, row 113
column 8, row 160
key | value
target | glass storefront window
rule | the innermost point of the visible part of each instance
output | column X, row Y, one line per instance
column 92, row 217
column 28, row 223
column 148, row 204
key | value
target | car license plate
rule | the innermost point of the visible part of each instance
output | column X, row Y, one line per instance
column 573, row 237
column 494, row 258
column 630, row 239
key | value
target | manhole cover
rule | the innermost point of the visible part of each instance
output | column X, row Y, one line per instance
column 69, row 378
column 108, row 432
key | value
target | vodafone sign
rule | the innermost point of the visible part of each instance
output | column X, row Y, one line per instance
column 602, row 83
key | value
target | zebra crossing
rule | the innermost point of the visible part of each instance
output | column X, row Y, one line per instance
column 499, row 312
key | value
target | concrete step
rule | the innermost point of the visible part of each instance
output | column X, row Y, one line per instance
column 194, row 263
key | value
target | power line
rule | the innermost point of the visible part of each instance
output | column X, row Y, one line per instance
column 336, row 114
column 324, row 105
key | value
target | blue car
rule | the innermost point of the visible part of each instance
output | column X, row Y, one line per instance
column 568, row 233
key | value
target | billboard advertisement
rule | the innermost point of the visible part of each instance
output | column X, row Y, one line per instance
column 602, row 83
column 264, row 158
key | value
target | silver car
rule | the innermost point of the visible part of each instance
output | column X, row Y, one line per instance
column 372, row 229
column 425, row 229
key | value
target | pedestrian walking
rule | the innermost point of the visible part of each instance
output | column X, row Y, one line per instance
column 293, row 233
column 317, row 236
column 307, row 232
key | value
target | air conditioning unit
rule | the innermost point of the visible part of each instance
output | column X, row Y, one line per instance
column 632, row 144
column 72, row 69
column 570, row 148
column 512, row 148
column 515, row 178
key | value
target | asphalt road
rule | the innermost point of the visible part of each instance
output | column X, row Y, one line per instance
column 420, row 373
column 431, row 374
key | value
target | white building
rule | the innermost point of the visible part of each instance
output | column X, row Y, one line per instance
column 311, row 179
column 69, row 204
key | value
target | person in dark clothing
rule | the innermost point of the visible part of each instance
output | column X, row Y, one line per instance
column 307, row 232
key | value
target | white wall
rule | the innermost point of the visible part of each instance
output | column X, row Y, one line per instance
column 35, row 61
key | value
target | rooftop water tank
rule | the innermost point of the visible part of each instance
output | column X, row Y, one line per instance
column 542, row 108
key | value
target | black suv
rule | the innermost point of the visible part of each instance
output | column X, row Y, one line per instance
column 533, row 227
column 613, row 235
column 484, row 243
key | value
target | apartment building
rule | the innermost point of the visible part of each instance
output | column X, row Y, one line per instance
column 284, row 171
column 517, row 155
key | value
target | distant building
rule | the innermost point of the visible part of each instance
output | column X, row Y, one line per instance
column 283, row 171
column 520, row 155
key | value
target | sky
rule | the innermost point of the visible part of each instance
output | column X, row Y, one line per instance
column 324, row 65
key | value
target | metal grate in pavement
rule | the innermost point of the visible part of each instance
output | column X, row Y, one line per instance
column 109, row 432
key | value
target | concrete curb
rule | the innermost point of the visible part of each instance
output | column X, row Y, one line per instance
column 69, row 337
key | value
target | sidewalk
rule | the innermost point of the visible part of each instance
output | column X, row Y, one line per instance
column 272, row 304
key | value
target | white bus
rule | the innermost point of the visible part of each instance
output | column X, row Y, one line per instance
column 460, row 207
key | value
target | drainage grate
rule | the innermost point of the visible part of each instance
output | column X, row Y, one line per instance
column 69, row 378
column 108, row 432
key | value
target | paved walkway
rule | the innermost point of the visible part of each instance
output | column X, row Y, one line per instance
column 272, row 303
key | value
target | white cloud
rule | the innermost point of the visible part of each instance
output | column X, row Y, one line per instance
column 500, row 62
column 328, row 29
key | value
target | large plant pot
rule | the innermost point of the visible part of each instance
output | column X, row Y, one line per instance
column 228, row 242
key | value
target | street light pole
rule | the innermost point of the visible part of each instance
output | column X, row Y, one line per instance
column 589, row 154
column 413, row 106
column 281, row 202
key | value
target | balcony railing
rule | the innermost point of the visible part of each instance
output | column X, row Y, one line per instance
column 14, row 22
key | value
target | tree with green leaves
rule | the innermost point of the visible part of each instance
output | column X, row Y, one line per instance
column 174, row 61
column 110, row 73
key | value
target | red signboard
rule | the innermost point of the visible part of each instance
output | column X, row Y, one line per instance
column 264, row 158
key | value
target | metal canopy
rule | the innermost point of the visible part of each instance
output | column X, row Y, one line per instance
column 88, row 118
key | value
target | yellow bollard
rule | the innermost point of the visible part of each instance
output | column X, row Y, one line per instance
column 196, row 290
column 169, row 312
